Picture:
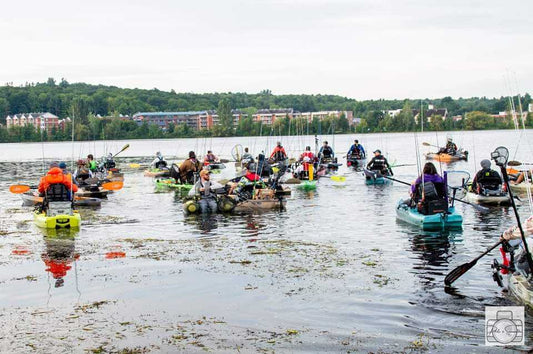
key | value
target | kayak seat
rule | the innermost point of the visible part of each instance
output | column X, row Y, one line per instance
column 58, row 193
column 490, row 185
column 431, row 198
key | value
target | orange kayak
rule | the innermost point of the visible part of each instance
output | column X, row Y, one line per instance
column 446, row 157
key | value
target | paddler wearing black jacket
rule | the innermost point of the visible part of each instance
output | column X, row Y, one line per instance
column 379, row 163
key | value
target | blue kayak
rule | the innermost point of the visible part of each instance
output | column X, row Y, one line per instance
column 450, row 220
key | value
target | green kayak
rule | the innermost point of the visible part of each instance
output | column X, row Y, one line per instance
column 307, row 186
column 171, row 183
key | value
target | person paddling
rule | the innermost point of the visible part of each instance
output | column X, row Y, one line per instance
column 159, row 161
column 91, row 164
column 326, row 152
column 210, row 158
column 55, row 176
column 278, row 154
column 356, row 150
column 450, row 148
column 380, row 164
column 188, row 168
column 486, row 178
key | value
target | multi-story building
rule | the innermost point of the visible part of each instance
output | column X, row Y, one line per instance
column 325, row 114
column 269, row 116
column 163, row 119
column 41, row 121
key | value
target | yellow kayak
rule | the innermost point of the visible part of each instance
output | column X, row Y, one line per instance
column 59, row 221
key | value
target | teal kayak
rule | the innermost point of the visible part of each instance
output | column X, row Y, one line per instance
column 171, row 183
column 450, row 220
column 372, row 177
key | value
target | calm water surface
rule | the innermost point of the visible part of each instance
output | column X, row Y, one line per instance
column 334, row 272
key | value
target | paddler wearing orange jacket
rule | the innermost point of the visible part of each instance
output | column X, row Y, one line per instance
column 54, row 176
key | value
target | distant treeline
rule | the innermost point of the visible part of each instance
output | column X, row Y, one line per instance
column 83, row 102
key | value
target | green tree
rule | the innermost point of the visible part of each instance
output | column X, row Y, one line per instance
column 225, row 119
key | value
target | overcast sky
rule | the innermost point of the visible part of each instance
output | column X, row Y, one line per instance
column 357, row 48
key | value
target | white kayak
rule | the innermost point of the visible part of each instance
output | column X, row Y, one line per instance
column 521, row 188
column 488, row 199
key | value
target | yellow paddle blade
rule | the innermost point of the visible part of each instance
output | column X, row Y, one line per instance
column 338, row 178
column 135, row 165
column 113, row 186
column 275, row 169
column 311, row 172
column 19, row 188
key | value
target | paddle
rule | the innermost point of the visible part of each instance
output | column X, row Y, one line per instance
column 404, row 165
column 475, row 206
column 462, row 269
column 135, row 165
column 335, row 178
column 20, row 188
column 224, row 160
column 518, row 163
column 428, row 144
column 124, row 148
column 113, row 186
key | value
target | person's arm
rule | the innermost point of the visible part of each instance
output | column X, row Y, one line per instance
column 41, row 188
column 362, row 150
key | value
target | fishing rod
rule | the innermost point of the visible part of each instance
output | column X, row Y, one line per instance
column 475, row 206
column 500, row 156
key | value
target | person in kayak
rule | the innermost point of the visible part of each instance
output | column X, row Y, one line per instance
column 356, row 150
column 91, row 164
column 428, row 192
column 55, row 176
column 109, row 163
column 486, row 178
column 246, row 157
column 278, row 154
column 450, row 148
column 380, row 164
column 82, row 173
column 63, row 167
column 307, row 158
column 210, row 158
column 188, row 168
column 521, row 177
column 326, row 152
column 262, row 168
column 206, row 190
column 247, row 183
column 159, row 161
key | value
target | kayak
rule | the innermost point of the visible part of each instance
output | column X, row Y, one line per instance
column 216, row 166
column 264, row 201
column 307, row 185
column 444, row 157
column 439, row 221
column 58, row 216
column 92, row 192
column 373, row 178
column 521, row 289
column 488, row 199
column 156, row 172
column 355, row 162
column 521, row 188
column 260, row 205
column 283, row 190
column 170, row 183
column 30, row 199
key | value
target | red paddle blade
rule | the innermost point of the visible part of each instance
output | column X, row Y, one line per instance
column 113, row 186
column 19, row 188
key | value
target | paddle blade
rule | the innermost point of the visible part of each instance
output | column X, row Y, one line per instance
column 458, row 272
column 514, row 163
column 125, row 147
column 19, row 189
column 135, row 165
column 426, row 144
column 338, row 178
column 113, row 186
column 224, row 160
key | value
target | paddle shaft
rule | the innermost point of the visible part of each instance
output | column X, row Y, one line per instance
column 124, row 148
column 522, row 234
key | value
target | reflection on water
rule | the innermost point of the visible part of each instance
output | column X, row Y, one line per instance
column 336, row 266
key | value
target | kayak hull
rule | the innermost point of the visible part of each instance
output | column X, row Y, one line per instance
column 373, row 178
column 64, row 221
column 170, row 183
column 156, row 173
column 29, row 199
column 445, row 157
column 307, row 186
column 521, row 289
column 489, row 200
column 451, row 220
column 93, row 193
column 260, row 205
column 521, row 188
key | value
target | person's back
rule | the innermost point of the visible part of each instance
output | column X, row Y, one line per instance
column 486, row 179
column 55, row 176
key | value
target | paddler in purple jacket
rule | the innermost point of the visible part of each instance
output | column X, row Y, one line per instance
column 430, row 175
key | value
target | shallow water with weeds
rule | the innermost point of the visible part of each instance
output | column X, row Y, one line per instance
column 334, row 272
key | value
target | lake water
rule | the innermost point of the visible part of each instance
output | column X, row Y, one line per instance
column 333, row 272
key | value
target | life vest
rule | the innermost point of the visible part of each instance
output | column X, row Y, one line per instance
column 327, row 152
column 307, row 158
column 379, row 163
column 56, row 176
column 252, row 177
column 279, row 153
